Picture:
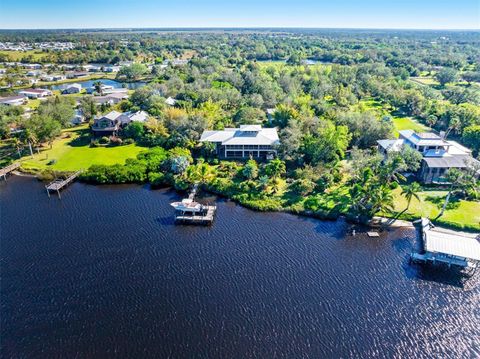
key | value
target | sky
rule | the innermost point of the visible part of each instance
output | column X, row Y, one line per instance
column 390, row 14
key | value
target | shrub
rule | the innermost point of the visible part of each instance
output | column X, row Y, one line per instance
column 104, row 140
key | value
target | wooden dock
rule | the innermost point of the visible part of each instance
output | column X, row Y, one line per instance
column 59, row 184
column 10, row 168
column 206, row 218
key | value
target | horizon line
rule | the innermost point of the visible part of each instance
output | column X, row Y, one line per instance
column 173, row 28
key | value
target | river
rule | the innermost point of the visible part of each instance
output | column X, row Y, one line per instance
column 105, row 273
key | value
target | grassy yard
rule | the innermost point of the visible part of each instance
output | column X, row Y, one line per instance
column 459, row 213
column 407, row 123
column 72, row 153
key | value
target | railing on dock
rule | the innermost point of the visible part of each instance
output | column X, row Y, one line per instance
column 10, row 168
column 59, row 184
column 205, row 218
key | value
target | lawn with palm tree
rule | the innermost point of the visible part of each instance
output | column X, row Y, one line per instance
column 72, row 152
column 429, row 203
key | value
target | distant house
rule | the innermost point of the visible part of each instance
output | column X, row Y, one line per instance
column 170, row 101
column 111, row 68
column 13, row 100
column 244, row 142
column 32, row 66
column 34, row 73
column 35, row 93
column 439, row 155
column 113, row 121
column 76, row 74
column 73, row 88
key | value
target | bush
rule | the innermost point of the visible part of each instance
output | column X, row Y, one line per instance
column 157, row 179
column 104, row 140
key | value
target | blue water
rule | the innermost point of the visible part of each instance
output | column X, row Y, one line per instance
column 105, row 273
column 115, row 84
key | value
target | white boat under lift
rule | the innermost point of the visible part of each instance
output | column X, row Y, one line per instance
column 189, row 211
column 452, row 248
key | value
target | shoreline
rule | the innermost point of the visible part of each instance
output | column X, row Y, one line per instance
column 377, row 222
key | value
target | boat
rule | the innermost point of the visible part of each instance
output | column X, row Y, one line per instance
column 188, row 205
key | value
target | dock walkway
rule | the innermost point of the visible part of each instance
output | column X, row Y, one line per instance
column 59, row 184
column 10, row 168
column 206, row 218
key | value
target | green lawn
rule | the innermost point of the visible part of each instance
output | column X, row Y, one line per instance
column 407, row 123
column 459, row 213
column 72, row 154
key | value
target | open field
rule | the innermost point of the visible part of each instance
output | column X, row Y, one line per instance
column 18, row 55
column 72, row 153
column 459, row 213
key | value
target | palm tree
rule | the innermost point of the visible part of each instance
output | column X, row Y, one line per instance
column 97, row 85
column 31, row 139
column 454, row 125
column 410, row 192
column 16, row 143
column 454, row 176
column 275, row 168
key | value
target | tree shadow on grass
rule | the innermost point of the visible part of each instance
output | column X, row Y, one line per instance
column 454, row 202
column 82, row 140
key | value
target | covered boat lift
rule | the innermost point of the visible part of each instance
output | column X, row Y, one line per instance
column 452, row 248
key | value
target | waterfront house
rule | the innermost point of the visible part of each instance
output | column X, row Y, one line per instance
column 72, row 88
column 107, row 125
column 13, row 100
column 35, row 93
column 114, row 121
column 103, row 88
column 244, row 142
column 439, row 155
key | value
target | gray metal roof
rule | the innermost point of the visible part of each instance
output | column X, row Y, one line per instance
column 459, row 161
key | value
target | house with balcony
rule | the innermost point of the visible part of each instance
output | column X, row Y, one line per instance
column 244, row 142
column 111, row 123
column 439, row 155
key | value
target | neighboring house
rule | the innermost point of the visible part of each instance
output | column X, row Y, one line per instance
column 103, row 88
column 110, row 90
column 139, row 116
column 111, row 99
column 73, row 88
column 32, row 66
column 13, row 100
column 439, row 155
column 34, row 73
column 111, row 68
column 35, row 93
column 244, row 142
column 76, row 74
column 78, row 118
column 113, row 121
